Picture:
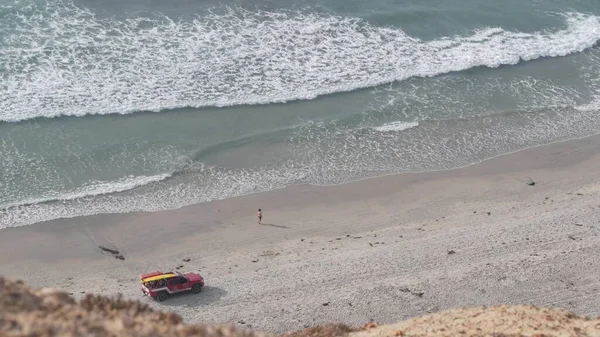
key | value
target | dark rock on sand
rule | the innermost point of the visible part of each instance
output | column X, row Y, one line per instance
column 414, row 293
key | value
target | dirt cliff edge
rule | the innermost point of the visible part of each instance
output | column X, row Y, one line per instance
column 47, row 312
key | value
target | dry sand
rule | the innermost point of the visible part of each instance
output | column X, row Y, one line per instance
column 383, row 249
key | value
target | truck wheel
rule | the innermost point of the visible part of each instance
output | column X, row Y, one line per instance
column 162, row 296
column 196, row 288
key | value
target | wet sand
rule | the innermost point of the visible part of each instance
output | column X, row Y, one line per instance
column 385, row 249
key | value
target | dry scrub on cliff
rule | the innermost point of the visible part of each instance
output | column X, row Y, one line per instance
column 46, row 312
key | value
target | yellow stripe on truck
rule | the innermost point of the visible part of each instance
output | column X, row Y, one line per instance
column 158, row 277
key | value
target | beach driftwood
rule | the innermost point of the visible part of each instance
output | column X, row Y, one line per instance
column 108, row 250
column 114, row 252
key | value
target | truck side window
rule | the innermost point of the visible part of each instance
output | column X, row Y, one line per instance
column 178, row 281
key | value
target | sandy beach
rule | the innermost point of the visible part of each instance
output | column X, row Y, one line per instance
column 382, row 249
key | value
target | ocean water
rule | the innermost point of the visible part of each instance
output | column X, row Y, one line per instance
column 141, row 105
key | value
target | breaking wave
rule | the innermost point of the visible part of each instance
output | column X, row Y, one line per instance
column 96, row 188
column 58, row 59
column 396, row 126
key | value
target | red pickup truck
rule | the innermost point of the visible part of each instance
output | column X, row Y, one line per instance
column 159, row 285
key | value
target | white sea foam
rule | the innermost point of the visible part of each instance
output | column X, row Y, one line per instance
column 59, row 59
column 592, row 106
column 396, row 126
column 94, row 188
column 326, row 158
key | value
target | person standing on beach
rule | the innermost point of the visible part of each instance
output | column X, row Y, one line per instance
column 259, row 216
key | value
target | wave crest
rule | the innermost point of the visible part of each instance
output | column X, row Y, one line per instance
column 93, row 189
column 58, row 59
column 396, row 126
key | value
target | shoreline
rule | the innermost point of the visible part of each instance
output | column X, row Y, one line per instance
column 583, row 138
column 360, row 246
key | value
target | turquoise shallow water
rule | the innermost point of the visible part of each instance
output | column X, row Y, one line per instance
column 119, row 106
